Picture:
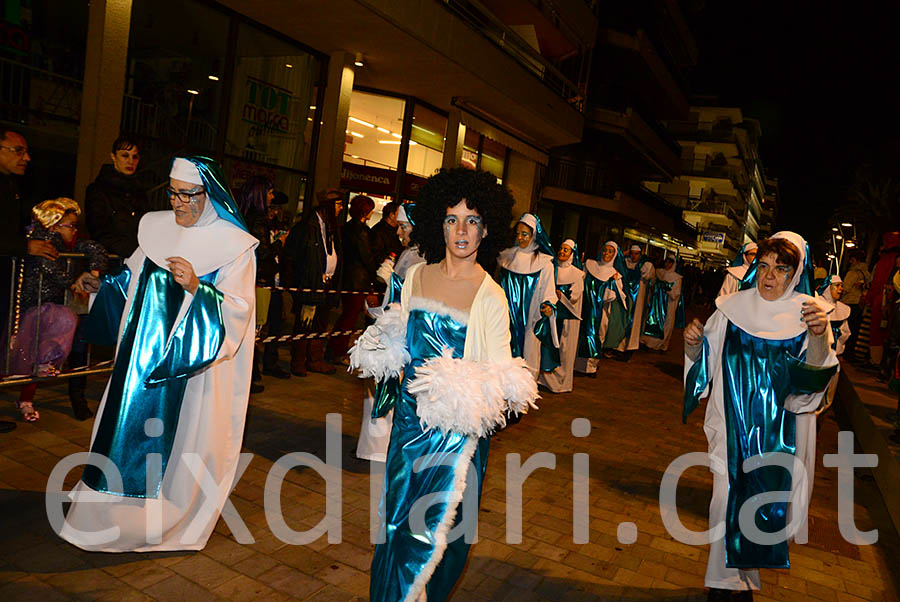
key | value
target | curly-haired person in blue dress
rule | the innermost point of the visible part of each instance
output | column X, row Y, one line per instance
column 448, row 342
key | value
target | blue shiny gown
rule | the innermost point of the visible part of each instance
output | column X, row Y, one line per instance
column 405, row 554
column 520, row 290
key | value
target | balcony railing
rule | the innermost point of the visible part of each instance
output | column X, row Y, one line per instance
column 589, row 178
column 33, row 96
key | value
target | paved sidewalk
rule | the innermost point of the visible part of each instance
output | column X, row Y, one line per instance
column 635, row 412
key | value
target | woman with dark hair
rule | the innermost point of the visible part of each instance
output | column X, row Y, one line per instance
column 359, row 270
column 253, row 200
column 526, row 276
column 765, row 359
column 115, row 202
column 448, row 342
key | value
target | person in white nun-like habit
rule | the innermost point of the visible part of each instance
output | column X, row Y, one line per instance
column 570, row 291
column 735, row 272
column 831, row 290
column 639, row 278
column 182, row 316
column 764, row 359
column 604, row 315
column 666, row 308
column 375, row 433
column 526, row 276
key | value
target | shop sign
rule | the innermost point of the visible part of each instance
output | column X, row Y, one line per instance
column 377, row 180
column 266, row 105
column 712, row 236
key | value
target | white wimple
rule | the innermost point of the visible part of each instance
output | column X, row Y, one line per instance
column 381, row 350
column 468, row 397
column 417, row 589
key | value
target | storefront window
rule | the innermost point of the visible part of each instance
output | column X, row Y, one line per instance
column 273, row 101
column 171, row 94
column 493, row 158
column 470, row 149
column 374, row 130
column 426, row 148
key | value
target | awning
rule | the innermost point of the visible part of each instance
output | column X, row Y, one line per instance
column 498, row 135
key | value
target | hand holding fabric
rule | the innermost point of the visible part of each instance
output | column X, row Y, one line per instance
column 183, row 272
column 547, row 309
column 693, row 334
column 815, row 317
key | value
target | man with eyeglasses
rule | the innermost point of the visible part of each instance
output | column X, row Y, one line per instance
column 14, row 159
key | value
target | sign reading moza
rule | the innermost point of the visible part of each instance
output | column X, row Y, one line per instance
column 267, row 105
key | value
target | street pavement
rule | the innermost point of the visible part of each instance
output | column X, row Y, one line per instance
column 634, row 411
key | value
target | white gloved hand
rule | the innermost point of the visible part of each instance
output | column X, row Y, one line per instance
column 385, row 270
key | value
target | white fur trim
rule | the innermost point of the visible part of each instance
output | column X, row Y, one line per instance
column 436, row 307
column 469, row 397
column 417, row 589
column 381, row 351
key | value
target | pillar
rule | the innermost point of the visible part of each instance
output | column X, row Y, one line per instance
column 522, row 181
column 106, row 56
column 335, row 112
column 456, row 136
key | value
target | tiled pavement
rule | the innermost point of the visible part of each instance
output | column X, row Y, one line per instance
column 636, row 432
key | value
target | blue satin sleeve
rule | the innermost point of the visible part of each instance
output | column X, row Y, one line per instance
column 387, row 392
column 197, row 339
column 807, row 379
column 696, row 382
column 101, row 327
column 549, row 353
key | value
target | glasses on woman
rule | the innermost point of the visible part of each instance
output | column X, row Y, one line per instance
column 185, row 196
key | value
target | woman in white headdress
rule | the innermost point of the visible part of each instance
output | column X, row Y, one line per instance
column 172, row 417
column 526, row 275
column 764, row 358
column 831, row 290
column 735, row 273
column 604, row 316
column 569, row 290
column 663, row 313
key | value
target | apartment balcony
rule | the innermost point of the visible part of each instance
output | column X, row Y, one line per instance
column 651, row 142
column 706, row 167
column 704, row 131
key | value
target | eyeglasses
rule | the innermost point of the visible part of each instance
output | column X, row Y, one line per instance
column 184, row 196
column 19, row 151
column 66, row 225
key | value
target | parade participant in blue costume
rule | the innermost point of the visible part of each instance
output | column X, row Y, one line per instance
column 181, row 313
column 831, row 290
column 570, row 291
column 666, row 310
column 639, row 278
column 738, row 268
column 526, row 276
column 448, row 339
column 604, row 322
column 375, row 433
column 764, row 358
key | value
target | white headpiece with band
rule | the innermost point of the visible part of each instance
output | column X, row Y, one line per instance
column 401, row 215
column 185, row 171
column 569, row 243
column 636, row 248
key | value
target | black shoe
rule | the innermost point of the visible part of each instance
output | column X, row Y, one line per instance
column 6, row 426
column 718, row 595
column 79, row 403
column 255, row 388
column 743, row 595
column 276, row 372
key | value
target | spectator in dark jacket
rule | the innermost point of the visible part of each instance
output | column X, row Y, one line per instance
column 312, row 261
column 115, row 202
column 384, row 237
column 359, row 270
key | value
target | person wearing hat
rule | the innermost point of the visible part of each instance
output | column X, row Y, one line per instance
column 735, row 273
column 764, row 359
column 638, row 277
column 182, row 316
column 838, row 317
column 604, row 320
column 312, row 261
column 570, row 292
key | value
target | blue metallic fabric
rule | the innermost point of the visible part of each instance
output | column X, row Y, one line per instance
column 589, row 343
column 101, row 327
column 549, row 353
column 387, row 392
column 519, row 289
column 739, row 258
column 405, row 553
column 824, row 286
column 695, row 383
column 758, row 379
column 562, row 312
column 679, row 313
column 217, row 190
column 631, row 282
column 659, row 307
column 149, row 376
column 836, row 332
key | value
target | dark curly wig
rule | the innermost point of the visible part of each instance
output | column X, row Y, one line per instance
column 447, row 188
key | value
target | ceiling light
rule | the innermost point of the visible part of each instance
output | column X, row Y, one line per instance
column 359, row 59
column 388, row 142
column 839, row 237
column 361, row 122
column 413, row 143
column 312, row 107
column 850, row 244
column 835, row 229
column 194, row 92
column 355, row 156
column 383, row 130
column 288, row 65
column 396, row 135
column 847, row 225
column 214, row 78
column 357, row 134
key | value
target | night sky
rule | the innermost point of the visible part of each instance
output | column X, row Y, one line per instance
column 823, row 79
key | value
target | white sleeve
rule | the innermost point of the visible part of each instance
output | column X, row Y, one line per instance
column 237, row 283
column 675, row 293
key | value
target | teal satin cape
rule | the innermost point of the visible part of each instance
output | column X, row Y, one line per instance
column 589, row 343
column 758, row 375
column 405, row 552
column 659, row 308
column 150, row 371
column 520, row 290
